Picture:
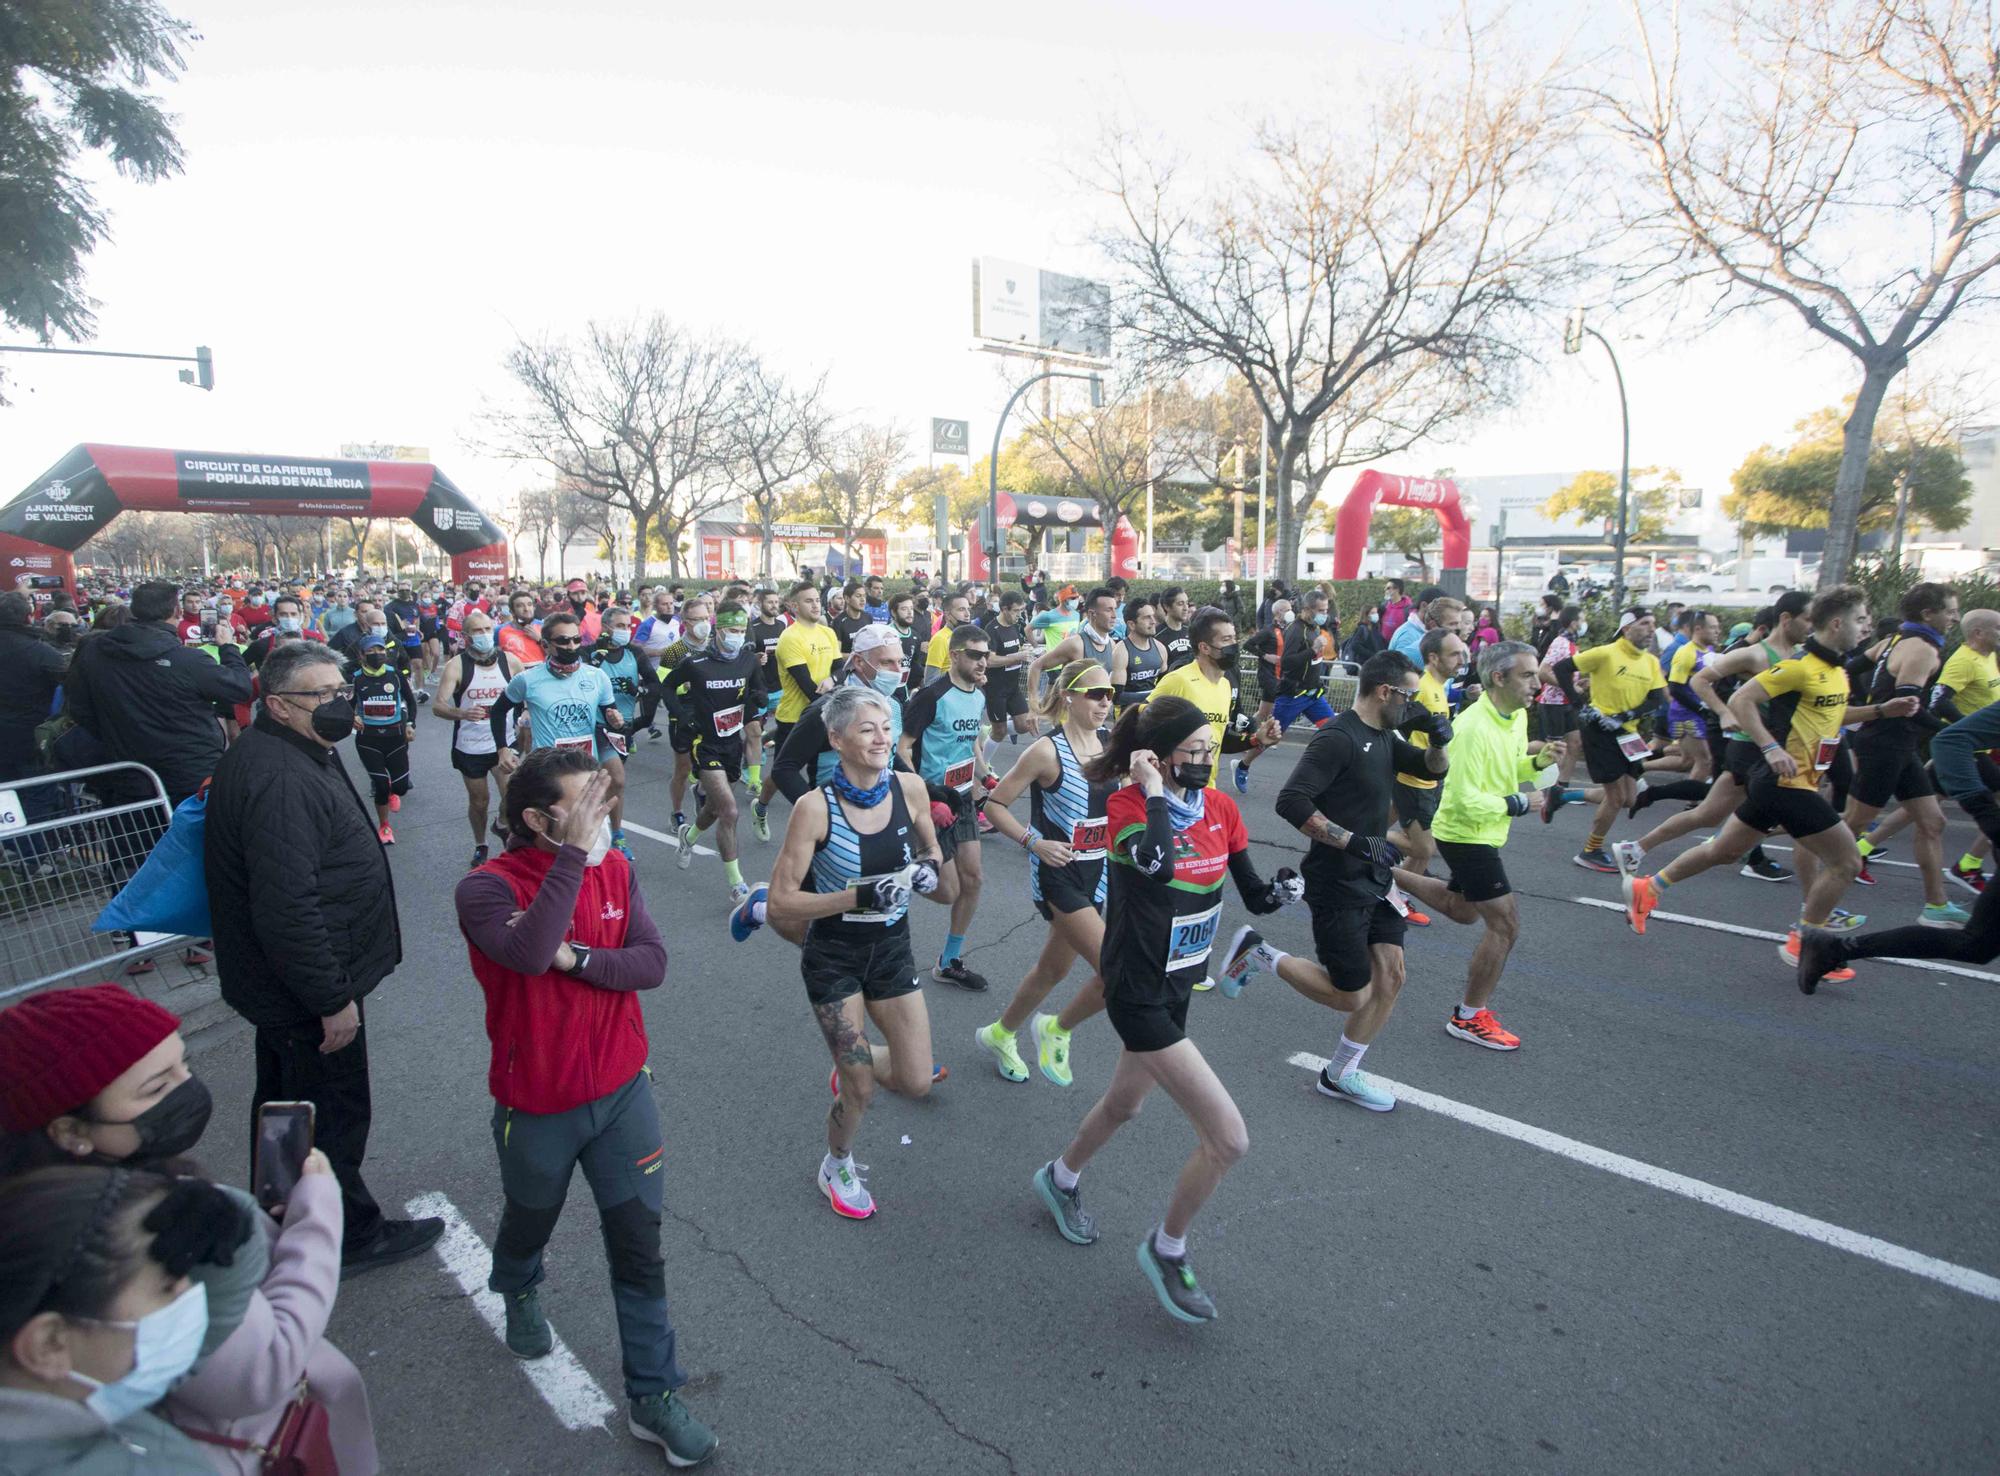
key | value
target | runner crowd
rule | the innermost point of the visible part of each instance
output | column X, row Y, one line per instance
column 150, row 1310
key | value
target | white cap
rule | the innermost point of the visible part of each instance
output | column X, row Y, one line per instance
column 875, row 637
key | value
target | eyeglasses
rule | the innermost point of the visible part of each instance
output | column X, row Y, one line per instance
column 320, row 694
column 976, row 655
column 1099, row 694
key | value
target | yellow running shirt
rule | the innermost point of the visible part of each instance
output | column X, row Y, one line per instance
column 1430, row 696
column 812, row 646
column 1621, row 677
column 1212, row 697
column 1974, row 679
column 1808, row 702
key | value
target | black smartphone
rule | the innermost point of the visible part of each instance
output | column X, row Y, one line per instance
column 284, row 1138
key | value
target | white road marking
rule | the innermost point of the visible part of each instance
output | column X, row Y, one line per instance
column 1928, row 965
column 567, row 1386
column 1873, row 861
column 663, row 837
column 1959, row 1278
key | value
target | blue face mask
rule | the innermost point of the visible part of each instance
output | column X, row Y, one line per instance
column 289, row 624
column 888, row 683
column 1319, row 617
column 165, row 1344
column 482, row 642
column 620, row 637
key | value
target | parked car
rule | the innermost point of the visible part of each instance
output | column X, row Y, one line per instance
column 1749, row 576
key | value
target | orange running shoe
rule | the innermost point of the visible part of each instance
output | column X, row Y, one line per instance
column 1482, row 1030
column 1640, row 899
column 1789, row 952
column 386, row 835
column 1417, row 919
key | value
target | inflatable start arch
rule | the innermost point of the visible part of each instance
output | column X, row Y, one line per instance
column 41, row 529
column 1350, row 529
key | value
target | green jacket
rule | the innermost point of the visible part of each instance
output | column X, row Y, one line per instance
column 1489, row 761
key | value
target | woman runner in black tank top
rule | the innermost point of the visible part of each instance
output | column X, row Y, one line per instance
column 854, row 852
column 1066, row 845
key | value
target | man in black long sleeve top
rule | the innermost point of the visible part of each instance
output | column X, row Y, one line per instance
column 1340, row 796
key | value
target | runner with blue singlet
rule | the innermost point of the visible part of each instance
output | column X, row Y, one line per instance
column 941, row 742
column 568, row 701
column 1065, row 842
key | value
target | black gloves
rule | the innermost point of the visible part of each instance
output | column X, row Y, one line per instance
column 924, row 878
column 884, row 894
column 1286, row 888
column 1377, row 851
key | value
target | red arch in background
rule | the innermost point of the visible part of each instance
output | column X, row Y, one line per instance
column 1350, row 529
column 41, row 529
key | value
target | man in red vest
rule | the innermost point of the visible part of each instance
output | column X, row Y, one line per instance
column 560, row 942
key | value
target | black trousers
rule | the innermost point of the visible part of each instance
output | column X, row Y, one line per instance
column 1977, row 942
column 290, row 1068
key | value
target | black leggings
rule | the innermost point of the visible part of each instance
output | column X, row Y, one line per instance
column 1977, row 942
column 1840, row 774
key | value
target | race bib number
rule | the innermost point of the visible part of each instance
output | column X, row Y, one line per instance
column 1633, row 746
column 729, row 721
column 1192, row 938
column 1823, row 759
column 381, row 709
column 617, row 742
column 586, row 744
column 1089, row 840
column 959, row 775
column 863, row 885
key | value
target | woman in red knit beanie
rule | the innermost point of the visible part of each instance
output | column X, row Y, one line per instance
column 96, row 1075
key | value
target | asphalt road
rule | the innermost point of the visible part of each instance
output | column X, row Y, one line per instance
column 1437, row 1289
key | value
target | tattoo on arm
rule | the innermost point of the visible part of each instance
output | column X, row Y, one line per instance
column 1323, row 830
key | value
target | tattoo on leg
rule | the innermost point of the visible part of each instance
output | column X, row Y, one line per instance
column 843, row 1037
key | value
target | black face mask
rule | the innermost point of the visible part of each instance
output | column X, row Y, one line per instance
column 333, row 719
column 1394, row 709
column 1193, row 776
column 1226, row 657
column 175, row 1123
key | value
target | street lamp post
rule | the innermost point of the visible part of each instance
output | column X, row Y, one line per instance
column 202, row 375
column 1573, row 332
column 993, row 462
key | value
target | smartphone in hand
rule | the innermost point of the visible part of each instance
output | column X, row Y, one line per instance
column 284, row 1138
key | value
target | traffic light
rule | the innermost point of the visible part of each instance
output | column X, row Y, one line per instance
column 1573, row 332
column 204, row 368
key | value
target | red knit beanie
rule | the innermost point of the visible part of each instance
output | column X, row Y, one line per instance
column 61, row 1048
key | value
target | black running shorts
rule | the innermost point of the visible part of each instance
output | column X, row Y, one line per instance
column 1415, row 806
column 1476, row 872
column 835, row 968
column 1147, row 1025
column 1343, row 935
column 1004, row 701
column 1742, row 761
column 474, row 765
column 1548, row 721
column 1774, row 806
column 1883, row 774
column 719, row 756
column 1606, row 763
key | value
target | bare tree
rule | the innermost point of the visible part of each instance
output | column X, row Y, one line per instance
column 1108, row 454
column 633, row 415
column 778, row 437
column 860, row 483
column 1369, row 287
column 1839, row 165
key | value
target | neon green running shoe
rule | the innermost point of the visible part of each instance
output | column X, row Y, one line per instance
column 1052, row 1049
column 1006, row 1054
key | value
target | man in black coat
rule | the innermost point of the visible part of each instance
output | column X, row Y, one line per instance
column 150, row 700
column 304, row 912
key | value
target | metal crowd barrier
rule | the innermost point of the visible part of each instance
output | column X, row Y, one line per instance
column 64, row 854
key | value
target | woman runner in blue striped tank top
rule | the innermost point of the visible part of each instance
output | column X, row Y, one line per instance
column 1066, row 844
column 854, row 851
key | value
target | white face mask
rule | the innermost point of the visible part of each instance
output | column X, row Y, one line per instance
column 697, row 633
column 601, row 847
column 165, row 1343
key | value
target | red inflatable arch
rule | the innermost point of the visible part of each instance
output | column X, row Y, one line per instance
column 42, row 528
column 1350, row 529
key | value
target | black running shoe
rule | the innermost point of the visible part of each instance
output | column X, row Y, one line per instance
column 1820, row 953
column 1763, row 868
column 958, row 975
column 479, row 854
column 395, row 1240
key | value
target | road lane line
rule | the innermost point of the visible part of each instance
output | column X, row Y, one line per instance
column 1928, row 965
column 1958, row 1278
column 567, row 1386
column 1873, row 861
column 662, row 836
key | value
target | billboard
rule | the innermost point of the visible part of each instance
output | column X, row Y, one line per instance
column 1013, row 303
column 951, row 437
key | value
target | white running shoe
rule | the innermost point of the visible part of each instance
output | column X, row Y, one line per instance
column 846, row 1193
column 684, row 857
column 1628, row 856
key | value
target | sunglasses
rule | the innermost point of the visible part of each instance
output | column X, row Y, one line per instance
column 1099, row 694
column 566, row 645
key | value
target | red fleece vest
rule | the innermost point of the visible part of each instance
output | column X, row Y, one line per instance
column 559, row 1042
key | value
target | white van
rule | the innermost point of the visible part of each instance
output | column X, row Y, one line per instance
column 1762, row 576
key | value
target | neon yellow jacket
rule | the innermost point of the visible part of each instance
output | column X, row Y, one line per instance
column 1489, row 761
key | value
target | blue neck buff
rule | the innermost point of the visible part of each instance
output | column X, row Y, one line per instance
column 1185, row 808
column 854, row 794
column 1923, row 632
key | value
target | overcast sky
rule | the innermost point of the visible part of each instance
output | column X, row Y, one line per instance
column 379, row 196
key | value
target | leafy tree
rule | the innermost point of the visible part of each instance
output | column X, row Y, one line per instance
column 1408, row 530
column 70, row 71
column 1780, row 489
column 1593, row 496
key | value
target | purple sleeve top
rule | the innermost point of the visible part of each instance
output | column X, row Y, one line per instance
column 528, row 946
